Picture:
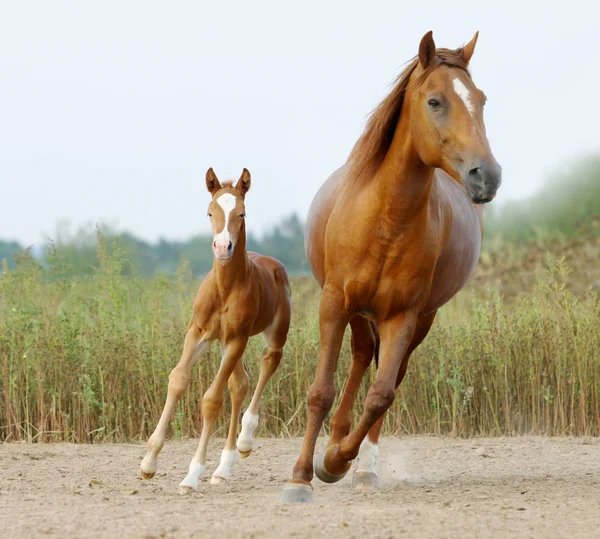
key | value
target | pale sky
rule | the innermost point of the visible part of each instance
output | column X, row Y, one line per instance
column 113, row 111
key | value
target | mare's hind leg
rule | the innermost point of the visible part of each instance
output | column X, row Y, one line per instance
column 179, row 380
column 365, row 475
column 238, row 388
column 275, row 337
column 212, row 403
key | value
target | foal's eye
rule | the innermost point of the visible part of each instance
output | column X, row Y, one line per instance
column 210, row 214
column 242, row 215
column 434, row 103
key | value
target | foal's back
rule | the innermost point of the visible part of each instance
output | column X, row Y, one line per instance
column 250, row 306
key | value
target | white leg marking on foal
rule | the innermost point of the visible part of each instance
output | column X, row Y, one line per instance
column 195, row 471
column 249, row 424
column 367, row 456
column 228, row 458
column 463, row 93
column 227, row 203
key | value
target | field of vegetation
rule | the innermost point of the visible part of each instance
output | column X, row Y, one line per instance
column 85, row 355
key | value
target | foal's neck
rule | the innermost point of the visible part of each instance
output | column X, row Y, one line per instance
column 236, row 270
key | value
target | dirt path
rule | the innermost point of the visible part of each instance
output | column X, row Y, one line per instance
column 431, row 487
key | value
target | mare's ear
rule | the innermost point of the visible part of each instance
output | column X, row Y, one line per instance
column 243, row 184
column 212, row 182
column 468, row 50
column 426, row 50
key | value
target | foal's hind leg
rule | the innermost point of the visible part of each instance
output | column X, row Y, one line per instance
column 275, row 338
column 365, row 475
column 179, row 380
column 238, row 389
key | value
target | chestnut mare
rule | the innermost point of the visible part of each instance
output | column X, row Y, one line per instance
column 243, row 295
column 391, row 237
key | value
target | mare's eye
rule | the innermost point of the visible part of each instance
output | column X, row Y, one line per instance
column 434, row 103
column 242, row 215
column 210, row 214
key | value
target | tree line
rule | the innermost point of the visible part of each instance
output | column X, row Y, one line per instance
column 77, row 251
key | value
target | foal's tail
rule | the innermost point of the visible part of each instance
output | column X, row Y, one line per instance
column 376, row 349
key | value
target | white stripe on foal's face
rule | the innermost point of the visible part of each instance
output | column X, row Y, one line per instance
column 222, row 239
column 464, row 94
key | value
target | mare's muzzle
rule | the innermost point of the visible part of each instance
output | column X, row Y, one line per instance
column 483, row 181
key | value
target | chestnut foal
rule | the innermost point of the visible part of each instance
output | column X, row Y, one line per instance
column 244, row 294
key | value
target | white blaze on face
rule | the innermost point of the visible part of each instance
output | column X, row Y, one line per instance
column 227, row 203
column 464, row 94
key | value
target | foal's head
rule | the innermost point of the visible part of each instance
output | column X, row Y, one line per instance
column 447, row 119
column 226, row 212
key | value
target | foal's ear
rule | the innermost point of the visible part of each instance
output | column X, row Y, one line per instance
column 468, row 50
column 212, row 182
column 243, row 184
column 426, row 50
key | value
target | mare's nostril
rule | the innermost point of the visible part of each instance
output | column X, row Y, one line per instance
column 475, row 172
column 230, row 246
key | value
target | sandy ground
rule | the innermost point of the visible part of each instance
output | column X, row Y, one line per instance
column 430, row 487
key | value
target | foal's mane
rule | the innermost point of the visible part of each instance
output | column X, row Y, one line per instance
column 370, row 149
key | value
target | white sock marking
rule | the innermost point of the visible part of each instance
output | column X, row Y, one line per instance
column 249, row 424
column 464, row 94
column 228, row 458
column 367, row 456
column 195, row 471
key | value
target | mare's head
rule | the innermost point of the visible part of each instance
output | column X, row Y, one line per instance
column 447, row 119
column 226, row 212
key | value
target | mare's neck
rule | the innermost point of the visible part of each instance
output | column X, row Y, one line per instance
column 403, row 178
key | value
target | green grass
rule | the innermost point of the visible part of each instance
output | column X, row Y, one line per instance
column 87, row 360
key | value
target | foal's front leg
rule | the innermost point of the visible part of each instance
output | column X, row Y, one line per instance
column 238, row 389
column 179, row 380
column 211, row 406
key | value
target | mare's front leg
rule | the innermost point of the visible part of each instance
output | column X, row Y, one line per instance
column 332, row 322
column 179, row 380
column 211, row 406
column 396, row 335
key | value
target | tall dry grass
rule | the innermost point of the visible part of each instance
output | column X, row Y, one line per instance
column 88, row 360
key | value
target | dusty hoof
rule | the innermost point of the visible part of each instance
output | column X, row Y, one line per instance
column 184, row 490
column 365, row 480
column 147, row 475
column 321, row 472
column 297, row 493
column 244, row 454
column 217, row 480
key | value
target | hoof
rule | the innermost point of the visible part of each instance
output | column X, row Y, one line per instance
column 184, row 490
column 147, row 475
column 297, row 493
column 244, row 454
column 365, row 480
column 322, row 473
column 217, row 480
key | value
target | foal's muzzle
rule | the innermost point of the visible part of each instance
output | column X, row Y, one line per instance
column 223, row 250
column 483, row 181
